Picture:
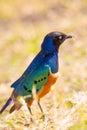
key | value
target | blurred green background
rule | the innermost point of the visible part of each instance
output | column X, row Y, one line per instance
column 23, row 25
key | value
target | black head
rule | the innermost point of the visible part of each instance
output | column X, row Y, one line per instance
column 53, row 40
column 58, row 37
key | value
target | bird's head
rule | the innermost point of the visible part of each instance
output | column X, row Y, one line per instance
column 53, row 40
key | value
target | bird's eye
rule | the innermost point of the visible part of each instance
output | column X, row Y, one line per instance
column 60, row 37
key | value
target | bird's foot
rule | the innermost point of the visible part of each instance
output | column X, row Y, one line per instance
column 42, row 117
column 31, row 121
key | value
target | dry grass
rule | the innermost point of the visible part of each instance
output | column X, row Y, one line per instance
column 23, row 24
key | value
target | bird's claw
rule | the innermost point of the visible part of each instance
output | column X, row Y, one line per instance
column 42, row 117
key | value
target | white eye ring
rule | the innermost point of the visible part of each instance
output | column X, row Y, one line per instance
column 60, row 37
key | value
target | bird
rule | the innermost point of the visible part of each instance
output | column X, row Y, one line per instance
column 41, row 73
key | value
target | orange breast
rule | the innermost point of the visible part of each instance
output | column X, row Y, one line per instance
column 46, row 88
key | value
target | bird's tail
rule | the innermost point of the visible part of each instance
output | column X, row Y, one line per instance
column 6, row 105
column 15, row 107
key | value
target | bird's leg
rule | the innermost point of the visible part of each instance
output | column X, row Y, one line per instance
column 30, row 113
column 41, row 110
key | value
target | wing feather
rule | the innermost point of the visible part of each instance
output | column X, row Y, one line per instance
column 38, row 77
column 34, row 64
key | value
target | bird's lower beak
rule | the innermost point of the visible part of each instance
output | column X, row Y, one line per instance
column 68, row 36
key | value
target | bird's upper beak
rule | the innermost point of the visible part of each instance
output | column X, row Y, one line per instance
column 68, row 36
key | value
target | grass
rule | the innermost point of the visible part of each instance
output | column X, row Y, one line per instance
column 23, row 24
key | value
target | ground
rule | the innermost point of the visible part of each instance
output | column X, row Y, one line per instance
column 23, row 25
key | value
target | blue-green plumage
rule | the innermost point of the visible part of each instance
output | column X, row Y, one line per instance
column 38, row 77
column 39, row 70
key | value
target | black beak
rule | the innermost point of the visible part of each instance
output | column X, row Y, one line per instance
column 68, row 36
